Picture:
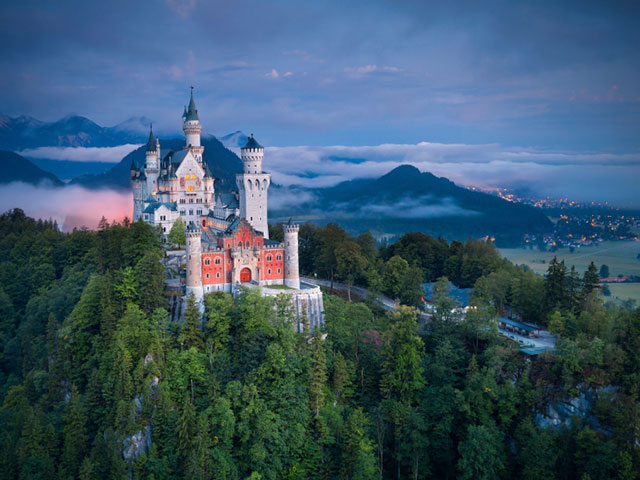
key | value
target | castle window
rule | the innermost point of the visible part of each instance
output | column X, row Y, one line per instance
column 207, row 262
column 269, row 271
column 199, row 211
column 279, row 257
column 217, row 261
column 247, row 244
column 278, row 270
column 269, row 258
column 207, row 275
column 218, row 275
column 182, row 212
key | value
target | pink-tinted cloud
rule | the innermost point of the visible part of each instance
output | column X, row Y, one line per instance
column 72, row 207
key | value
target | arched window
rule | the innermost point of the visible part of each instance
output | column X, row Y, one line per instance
column 207, row 261
column 217, row 261
column 269, row 258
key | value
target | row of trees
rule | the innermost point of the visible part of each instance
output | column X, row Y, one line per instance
column 397, row 270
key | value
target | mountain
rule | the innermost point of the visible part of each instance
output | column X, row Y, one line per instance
column 68, row 169
column 406, row 200
column 224, row 165
column 236, row 139
column 16, row 168
column 71, row 131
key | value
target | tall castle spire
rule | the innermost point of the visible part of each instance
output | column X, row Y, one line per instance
column 192, row 128
column 151, row 144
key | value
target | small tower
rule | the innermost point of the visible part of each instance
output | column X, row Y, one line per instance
column 291, row 273
column 152, row 164
column 253, row 186
column 192, row 129
column 194, row 260
column 137, row 184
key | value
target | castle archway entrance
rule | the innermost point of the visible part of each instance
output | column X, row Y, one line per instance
column 245, row 275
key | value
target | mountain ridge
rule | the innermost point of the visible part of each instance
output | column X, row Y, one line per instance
column 24, row 132
column 16, row 168
column 406, row 199
column 224, row 164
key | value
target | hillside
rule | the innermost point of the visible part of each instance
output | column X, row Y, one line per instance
column 16, row 168
column 71, row 131
column 223, row 163
column 406, row 199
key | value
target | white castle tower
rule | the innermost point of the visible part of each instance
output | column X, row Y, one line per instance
column 291, row 274
column 253, row 186
column 194, row 260
column 152, row 164
column 192, row 129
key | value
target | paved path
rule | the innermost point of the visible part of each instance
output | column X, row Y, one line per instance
column 545, row 340
column 385, row 302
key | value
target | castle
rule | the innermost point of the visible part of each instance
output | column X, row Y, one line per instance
column 227, row 235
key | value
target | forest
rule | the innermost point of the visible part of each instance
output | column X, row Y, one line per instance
column 96, row 381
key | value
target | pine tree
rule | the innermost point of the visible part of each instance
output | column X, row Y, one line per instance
column 318, row 372
column 75, row 435
column 358, row 461
column 186, row 428
column 341, row 377
column 590, row 280
column 555, row 285
column 402, row 349
column 191, row 334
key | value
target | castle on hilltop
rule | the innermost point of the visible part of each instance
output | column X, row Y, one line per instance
column 227, row 235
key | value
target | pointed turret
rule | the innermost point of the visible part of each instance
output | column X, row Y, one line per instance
column 192, row 128
column 192, row 111
column 151, row 144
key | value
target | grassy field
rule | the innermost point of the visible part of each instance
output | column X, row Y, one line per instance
column 620, row 257
column 624, row 291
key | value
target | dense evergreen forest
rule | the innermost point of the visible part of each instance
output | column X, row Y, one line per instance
column 96, row 382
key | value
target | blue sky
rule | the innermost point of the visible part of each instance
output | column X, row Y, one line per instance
column 550, row 75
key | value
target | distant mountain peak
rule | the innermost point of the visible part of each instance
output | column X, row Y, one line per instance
column 236, row 139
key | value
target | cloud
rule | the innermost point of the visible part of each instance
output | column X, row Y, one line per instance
column 359, row 72
column 284, row 198
column 81, row 154
column 272, row 74
column 414, row 207
column 72, row 207
column 581, row 176
column 182, row 7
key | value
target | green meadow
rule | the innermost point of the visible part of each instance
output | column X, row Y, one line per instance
column 620, row 257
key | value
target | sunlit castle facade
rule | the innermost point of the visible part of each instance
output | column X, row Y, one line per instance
column 227, row 235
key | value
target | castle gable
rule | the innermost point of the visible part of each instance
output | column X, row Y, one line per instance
column 188, row 165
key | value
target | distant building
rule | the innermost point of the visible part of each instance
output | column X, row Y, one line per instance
column 227, row 234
